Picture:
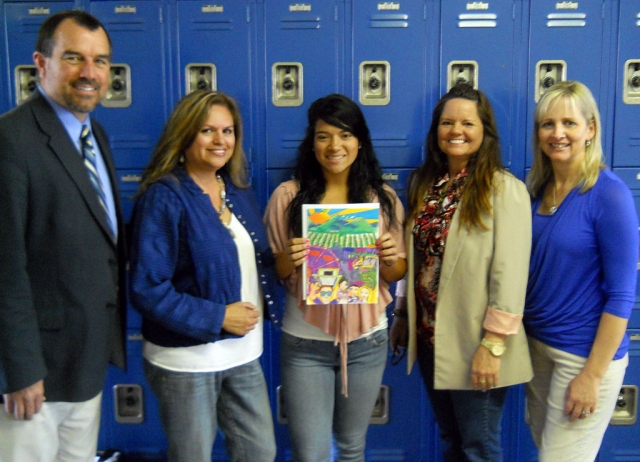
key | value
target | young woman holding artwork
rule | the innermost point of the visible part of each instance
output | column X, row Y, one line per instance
column 322, row 345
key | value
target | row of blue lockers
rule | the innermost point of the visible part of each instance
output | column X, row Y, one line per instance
column 395, row 58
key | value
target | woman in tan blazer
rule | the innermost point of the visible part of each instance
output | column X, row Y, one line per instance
column 462, row 314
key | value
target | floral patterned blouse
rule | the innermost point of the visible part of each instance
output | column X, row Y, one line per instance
column 430, row 231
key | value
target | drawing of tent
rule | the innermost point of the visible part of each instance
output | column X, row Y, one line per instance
column 343, row 232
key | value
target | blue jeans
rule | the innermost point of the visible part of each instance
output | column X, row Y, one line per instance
column 192, row 405
column 470, row 422
column 315, row 406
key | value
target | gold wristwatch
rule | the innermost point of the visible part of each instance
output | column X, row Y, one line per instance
column 496, row 349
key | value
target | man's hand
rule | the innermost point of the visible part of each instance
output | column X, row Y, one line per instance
column 25, row 403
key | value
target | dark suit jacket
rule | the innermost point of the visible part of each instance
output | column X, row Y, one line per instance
column 61, row 310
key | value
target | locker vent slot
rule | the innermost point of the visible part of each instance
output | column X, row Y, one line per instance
column 566, row 20
column 567, row 23
column 389, row 20
column 485, row 24
column 480, row 20
column 477, row 16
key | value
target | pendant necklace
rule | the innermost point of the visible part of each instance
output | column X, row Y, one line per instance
column 553, row 209
column 223, row 206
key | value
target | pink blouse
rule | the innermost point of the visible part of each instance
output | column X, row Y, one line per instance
column 346, row 322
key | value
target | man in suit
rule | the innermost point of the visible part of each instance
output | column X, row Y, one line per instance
column 61, row 251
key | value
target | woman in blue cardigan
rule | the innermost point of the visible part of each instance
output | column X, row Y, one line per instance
column 202, row 276
column 582, row 278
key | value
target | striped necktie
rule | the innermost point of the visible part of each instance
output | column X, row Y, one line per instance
column 89, row 156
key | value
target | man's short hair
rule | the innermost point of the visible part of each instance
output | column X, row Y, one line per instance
column 46, row 41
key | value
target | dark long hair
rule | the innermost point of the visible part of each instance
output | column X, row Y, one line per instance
column 481, row 167
column 365, row 174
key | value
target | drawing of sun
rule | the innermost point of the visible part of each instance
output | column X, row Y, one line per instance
column 317, row 218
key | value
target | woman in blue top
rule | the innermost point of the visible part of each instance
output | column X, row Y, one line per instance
column 201, row 273
column 582, row 278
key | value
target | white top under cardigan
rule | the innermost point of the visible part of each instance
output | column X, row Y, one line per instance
column 223, row 354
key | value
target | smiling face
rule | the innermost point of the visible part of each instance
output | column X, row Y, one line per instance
column 214, row 143
column 364, row 294
column 326, row 294
column 460, row 132
column 563, row 132
column 335, row 148
column 76, row 75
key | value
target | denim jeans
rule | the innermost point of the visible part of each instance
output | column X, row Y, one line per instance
column 192, row 405
column 315, row 406
column 470, row 422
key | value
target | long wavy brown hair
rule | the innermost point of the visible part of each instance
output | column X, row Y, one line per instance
column 482, row 165
column 187, row 118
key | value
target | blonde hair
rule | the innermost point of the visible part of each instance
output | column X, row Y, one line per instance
column 579, row 95
column 187, row 118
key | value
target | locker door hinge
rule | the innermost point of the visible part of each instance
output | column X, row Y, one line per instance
column 160, row 16
column 248, row 14
column 335, row 13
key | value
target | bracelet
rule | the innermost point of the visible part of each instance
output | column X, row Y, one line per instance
column 400, row 313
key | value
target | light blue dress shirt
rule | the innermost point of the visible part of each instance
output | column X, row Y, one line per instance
column 74, row 127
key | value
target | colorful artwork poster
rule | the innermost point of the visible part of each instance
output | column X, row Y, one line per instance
column 342, row 266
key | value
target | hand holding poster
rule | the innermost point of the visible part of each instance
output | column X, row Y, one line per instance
column 342, row 266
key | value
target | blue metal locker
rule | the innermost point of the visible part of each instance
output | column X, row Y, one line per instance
column 22, row 21
column 304, row 45
column 130, row 420
column 394, row 84
column 626, row 140
column 621, row 439
column 481, row 45
column 631, row 176
column 560, row 34
column 620, row 442
column 390, row 80
column 214, row 48
column 133, row 114
column 136, row 106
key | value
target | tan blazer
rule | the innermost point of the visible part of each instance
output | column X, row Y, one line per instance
column 481, row 269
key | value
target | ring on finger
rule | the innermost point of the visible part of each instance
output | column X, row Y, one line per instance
column 584, row 415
